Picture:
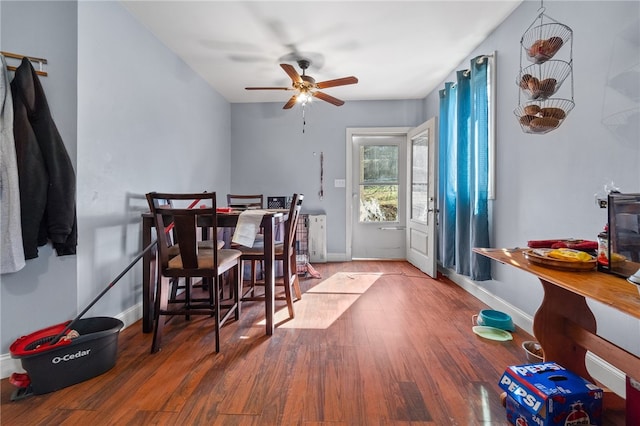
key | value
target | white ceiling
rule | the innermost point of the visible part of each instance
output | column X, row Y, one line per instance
column 397, row 49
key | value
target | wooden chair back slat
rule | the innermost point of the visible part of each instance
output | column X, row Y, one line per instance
column 185, row 222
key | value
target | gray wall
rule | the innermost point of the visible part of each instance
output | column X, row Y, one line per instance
column 134, row 119
column 266, row 137
column 138, row 105
column 146, row 122
column 546, row 183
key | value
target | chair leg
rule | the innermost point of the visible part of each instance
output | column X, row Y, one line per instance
column 286, row 276
column 162, row 301
column 254, row 277
column 215, row 285
column 237, row 281
column 223, row 279
column 216, row 303
column 187, row 297
column 294, row 272
column 174, row 288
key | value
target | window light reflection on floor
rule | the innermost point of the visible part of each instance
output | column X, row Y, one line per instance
column 323, row 304
column 486, row 410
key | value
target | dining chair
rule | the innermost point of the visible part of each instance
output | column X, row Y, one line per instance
column 191, row 260
column 284, row 252
column 174, row 249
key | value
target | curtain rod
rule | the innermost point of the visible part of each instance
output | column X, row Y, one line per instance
column 479, row 60
column 39, row 61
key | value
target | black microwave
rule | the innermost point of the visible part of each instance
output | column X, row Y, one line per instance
column 623, row 234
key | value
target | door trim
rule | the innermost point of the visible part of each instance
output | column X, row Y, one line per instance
column 350, row 132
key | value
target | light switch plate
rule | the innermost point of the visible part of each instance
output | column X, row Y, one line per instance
column 339, row 183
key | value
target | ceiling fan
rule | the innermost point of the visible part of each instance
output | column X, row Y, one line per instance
column 307, row 87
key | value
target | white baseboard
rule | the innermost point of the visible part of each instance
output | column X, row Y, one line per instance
column 337, row 257
column 520, row 318
column 602, row 371
column 10, row 365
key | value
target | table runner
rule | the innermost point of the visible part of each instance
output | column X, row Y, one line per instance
column 248, row 227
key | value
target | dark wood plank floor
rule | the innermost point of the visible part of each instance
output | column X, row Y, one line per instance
column 373, row 343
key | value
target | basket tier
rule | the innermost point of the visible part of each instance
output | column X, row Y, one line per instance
column 543, row 41
column 540, row 117
column 541, row 81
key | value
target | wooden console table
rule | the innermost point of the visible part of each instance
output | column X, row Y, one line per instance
column 564, row 325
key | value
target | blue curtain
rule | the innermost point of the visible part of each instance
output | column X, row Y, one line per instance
column 447, row 177
column 464, row 172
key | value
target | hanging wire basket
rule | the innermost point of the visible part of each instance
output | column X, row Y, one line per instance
column 541, row 117
column 542, row 40
column 542, row 81
column 543, row 109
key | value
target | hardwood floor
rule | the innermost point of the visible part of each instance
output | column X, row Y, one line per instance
column 373, row 343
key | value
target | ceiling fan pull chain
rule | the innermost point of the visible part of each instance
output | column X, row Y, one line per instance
column 321, row 193
column 304, row 121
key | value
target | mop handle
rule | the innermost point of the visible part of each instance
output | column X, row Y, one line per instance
column 124, row 271
column 71, row 323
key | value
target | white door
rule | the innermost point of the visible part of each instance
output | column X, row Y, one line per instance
column 378, row 194
column 421, row 197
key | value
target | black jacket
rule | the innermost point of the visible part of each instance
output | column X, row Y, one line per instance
column 46, row 176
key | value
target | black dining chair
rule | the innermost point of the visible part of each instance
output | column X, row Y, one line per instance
column 174, row 249
column 284, row 252
column 191, row 260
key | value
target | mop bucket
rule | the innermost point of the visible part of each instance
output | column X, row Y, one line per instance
column 88, row 350
column 71, row 352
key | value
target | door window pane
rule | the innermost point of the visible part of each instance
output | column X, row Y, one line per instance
column 419, row 179
column 378, row 183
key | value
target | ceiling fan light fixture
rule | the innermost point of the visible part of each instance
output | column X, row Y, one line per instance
column 304, row 97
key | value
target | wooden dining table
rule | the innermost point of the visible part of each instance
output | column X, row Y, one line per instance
column 270, row 221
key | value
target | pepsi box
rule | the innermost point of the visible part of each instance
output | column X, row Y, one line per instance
column 548, row 394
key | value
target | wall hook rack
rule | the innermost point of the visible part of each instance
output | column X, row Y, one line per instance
column 39, row 61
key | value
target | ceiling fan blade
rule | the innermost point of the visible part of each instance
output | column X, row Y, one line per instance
column 292, row 73
column 337, row 82
column 328, row 98
column 290, row 103
column 268, row 88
